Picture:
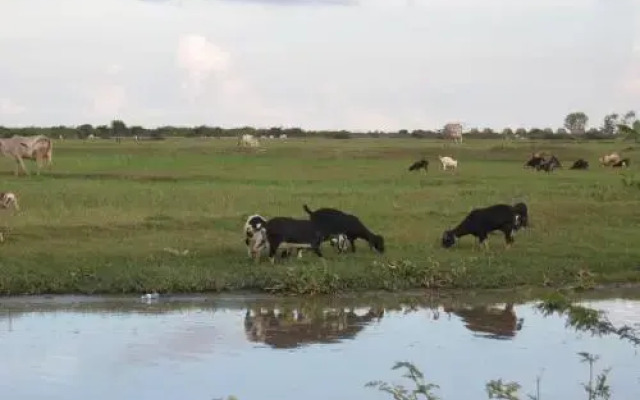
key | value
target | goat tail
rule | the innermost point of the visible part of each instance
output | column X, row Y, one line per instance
column 306, row 209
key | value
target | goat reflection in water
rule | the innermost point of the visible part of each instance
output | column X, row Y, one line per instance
column 489, row 321
column 288, row 329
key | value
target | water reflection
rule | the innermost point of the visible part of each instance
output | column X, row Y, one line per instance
column 489, row 321
column 291, row 328
column 210, row 347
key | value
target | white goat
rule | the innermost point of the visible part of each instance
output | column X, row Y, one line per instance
column 8, row 199
column 448, row 162
column 248, row 140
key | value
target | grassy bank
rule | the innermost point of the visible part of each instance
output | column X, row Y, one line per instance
column 109, row 217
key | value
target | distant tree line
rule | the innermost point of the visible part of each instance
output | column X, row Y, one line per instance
column 575, row 126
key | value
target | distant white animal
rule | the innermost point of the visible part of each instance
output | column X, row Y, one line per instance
column 7, row 200
column 283, row 136
column 38, row 148
column 453, row 131
column 448, row 162
column 248, row 140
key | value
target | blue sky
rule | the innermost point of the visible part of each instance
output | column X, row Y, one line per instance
column 318, row 64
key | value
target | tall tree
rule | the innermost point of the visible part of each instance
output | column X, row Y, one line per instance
column 611, row 122
column 629, row 118
column 630, row 132
column 576, row 122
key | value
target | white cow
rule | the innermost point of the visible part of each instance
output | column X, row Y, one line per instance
column 248, row 140
column 283, row 136
column 36, row 148
column 448, row 162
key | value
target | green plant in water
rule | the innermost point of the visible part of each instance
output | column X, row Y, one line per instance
column 601, row 389
column 399, row 392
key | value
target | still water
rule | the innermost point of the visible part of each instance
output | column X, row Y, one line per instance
column 313, row 349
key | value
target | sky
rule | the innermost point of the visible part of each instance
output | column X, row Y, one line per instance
column 318, row 64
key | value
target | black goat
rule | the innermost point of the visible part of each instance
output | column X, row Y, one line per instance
column 480, row 221
column 420, row 164
column 534, row 162
column 580, row 164
column 293, row 233
column 522, row 215
column 622, row 163
column 333, row 222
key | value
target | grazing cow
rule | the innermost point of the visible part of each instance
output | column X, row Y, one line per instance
column 448, row 162
column 256, row 238
column 549, row 165
column 295, row 233
column 248, row 140
column 481, row 221
column 331, row 221
column 609, row 159
column 453, row 131
column 622, row 163
column 420, row 164
column 38, row 148
column 580, row 164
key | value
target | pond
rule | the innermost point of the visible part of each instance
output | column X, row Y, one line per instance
column 261, row 348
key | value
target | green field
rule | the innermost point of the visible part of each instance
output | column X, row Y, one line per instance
column 105, row 218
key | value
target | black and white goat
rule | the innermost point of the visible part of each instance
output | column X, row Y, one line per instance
column 256, row 238
column 481, row 221
column 549, row 165
column 522, row 215
column 331, row 221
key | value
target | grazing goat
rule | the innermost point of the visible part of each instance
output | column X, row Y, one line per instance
column 256, row 238
column 522, row 215
column 38, row 148
column 448, row 162
column 480, row 221
column 580, row 164
column 534, row 162
column 420, row 164
column 549, row 165
column 609, row 159
column 622, row 163
column 294, row 233
column 335, row 222
column 8, row 199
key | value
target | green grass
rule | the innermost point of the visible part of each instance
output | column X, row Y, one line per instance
column 100, row 220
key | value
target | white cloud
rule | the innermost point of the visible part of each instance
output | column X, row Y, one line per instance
column 109, row 100
column 200, row 58
column 9, row 107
